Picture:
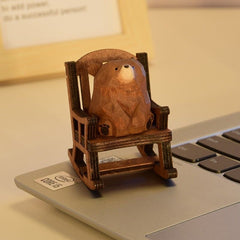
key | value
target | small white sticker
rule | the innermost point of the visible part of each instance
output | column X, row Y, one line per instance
column 110, row 159
column 57, row 180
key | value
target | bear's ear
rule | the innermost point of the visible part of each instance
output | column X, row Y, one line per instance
column 93, row 61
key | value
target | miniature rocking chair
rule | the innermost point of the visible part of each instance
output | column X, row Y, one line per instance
column 88, row 142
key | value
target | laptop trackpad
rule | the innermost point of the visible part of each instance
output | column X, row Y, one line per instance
column 221, row 225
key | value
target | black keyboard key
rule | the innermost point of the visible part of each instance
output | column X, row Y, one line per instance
column 192, row 153
column 222, row 145
column 219, row 164
column 233, row 135
column 233, row 175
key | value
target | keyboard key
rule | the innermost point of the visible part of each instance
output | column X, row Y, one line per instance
column 233, row 175
column 219, row 164
column 222, row 145
column 192, row 153
column 233, row 135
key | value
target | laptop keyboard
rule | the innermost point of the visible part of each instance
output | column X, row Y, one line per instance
column 219, row 154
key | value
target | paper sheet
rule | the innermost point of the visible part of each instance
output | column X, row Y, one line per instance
column 33, row 22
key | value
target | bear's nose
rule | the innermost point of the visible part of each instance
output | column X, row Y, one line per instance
column 126, row 66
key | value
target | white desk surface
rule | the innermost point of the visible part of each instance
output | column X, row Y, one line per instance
column 196, row 53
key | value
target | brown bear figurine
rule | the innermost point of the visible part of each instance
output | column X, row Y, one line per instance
column 120, row 98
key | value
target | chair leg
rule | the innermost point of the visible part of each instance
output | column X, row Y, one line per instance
column 164, row 167
column 77, row 159
column 94, row 182
column 87, row 171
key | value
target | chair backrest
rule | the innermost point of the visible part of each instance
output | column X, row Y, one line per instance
column 90, row 64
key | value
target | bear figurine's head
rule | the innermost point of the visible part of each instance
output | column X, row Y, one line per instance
column 120, row 73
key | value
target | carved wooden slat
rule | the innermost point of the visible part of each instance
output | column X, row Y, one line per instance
column 73, row 91
column 110, row 143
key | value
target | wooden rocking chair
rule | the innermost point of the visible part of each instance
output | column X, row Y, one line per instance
column 87, row 142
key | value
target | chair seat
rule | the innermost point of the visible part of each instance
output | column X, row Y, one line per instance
column 101, row 144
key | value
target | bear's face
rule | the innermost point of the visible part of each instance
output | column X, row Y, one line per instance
column 125, row 73
column 120, row 72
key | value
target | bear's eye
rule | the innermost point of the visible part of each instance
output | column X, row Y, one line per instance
column 116, row 68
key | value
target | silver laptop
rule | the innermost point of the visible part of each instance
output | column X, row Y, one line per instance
column 201, row 203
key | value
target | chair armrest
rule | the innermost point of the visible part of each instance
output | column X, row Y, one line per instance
column 84, row 118
column 87, row 124
column 160, row 115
